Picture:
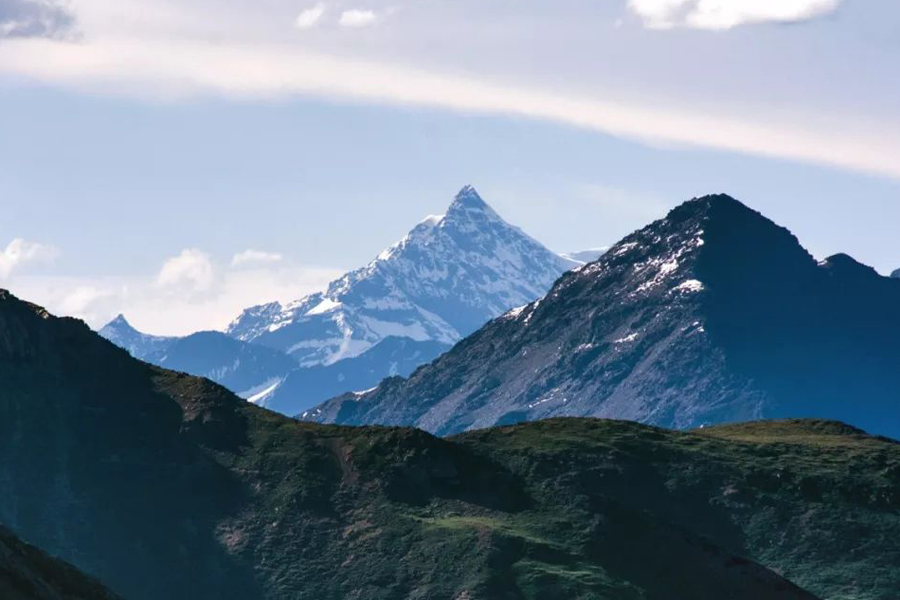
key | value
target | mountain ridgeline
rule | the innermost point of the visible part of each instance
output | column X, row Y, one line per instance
column 713, row 314
column 164, row 485
column 445, row 279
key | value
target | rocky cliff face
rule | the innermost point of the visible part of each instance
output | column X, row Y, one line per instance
column 713, row 314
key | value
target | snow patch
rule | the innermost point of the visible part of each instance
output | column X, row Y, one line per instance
column 326, row 305
column 690, row 286
column 259, row 397
column 623, row 248
column 514, row 313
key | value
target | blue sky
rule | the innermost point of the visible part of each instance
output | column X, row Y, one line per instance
column 145, row 148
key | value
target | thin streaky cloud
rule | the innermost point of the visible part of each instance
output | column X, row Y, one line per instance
column 256, row 72
column 357, row 18
column 255, row 257
column 726, row 14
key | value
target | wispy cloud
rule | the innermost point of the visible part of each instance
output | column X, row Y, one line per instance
column 255, row 257
column 171, row 61
column 257, row 71
column 357, row 17
column 35, row 18
column 20, row 253
column 310, row 17
column 726, row 14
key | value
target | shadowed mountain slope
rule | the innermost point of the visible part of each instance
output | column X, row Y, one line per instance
column 27, row 573
column 168, row 486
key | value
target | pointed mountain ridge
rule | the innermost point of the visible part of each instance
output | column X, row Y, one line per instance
column 448, row 276
column 121, row 321
column 712, row 241
column 469, row 200
column 139, row 344
column 119, row 328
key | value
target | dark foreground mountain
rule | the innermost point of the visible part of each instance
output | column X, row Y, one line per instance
column 168, row 486
column 27, row 573
column 713, row 314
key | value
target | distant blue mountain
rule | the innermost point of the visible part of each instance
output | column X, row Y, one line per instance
column 244, row 368
column 248, row 369
column 140, row 345
column 306, row 387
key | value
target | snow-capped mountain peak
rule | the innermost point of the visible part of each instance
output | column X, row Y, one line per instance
column 468, row 200
column 450, row 274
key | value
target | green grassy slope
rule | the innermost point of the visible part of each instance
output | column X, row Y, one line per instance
column 816, row 501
